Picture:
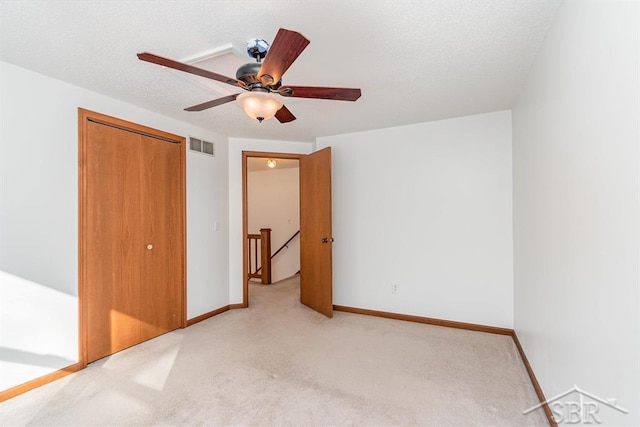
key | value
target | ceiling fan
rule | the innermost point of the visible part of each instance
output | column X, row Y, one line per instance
column 262, row 79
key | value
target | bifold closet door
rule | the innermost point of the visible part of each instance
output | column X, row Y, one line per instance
column 163, row 240
column 133, row 234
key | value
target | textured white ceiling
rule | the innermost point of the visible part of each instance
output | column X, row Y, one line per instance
column 415, row 61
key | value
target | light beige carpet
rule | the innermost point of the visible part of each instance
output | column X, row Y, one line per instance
column 280, row 363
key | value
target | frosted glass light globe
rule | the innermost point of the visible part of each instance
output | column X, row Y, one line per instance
column 260, row 105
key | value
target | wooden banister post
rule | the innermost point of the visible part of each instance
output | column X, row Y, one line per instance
column 265, row 252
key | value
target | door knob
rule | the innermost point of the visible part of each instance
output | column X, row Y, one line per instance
column 327, row 240
column 149, row 246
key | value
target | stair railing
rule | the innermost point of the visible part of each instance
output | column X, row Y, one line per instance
column 265, row 248
column 286, row 244
column 264, row 240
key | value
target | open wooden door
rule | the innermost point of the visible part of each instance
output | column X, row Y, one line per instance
column 316, row 287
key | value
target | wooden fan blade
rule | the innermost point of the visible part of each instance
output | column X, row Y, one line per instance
column 336, row 93
column 284, row 115
column 214, row 103
column 155, row 59
column 286, row 47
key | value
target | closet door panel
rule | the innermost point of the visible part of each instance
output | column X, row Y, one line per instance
column 162, row 229
column 113, row 235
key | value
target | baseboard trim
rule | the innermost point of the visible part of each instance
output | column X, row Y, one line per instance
column 207, row 315
column 236, row 306
column 38, row 382
column 427, row 320
column 469, row 327
column 534, row 381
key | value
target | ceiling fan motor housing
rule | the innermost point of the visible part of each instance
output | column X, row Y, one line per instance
column 248, row 73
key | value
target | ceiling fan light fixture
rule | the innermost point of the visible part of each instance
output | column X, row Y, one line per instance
column 260, row 105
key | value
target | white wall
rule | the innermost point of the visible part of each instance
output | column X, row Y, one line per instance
column 273, row 199
column 427, row 207
column 207, row 228
column 576, row 183
column 236, row 147
column 39, row 219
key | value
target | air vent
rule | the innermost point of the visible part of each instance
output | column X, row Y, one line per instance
column 201, row 146
column 207, row 148
column 195, row 145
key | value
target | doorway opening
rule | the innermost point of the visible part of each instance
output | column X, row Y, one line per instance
column 273, row 216
column 271, row 210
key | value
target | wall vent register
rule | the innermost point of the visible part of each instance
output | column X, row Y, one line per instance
column 202, row 146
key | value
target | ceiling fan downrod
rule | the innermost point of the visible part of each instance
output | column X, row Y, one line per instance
column 257, row 49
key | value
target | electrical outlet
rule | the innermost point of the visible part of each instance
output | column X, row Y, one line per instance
column 395, row 288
